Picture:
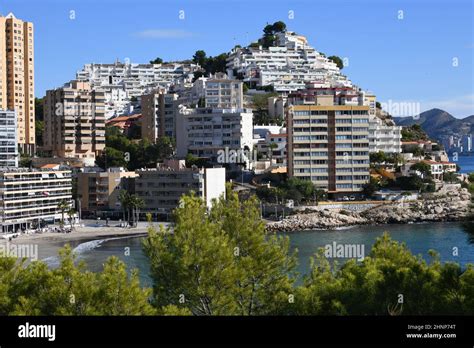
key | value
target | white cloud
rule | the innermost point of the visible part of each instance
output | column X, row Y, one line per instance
column 460, row 107
column 165, row 34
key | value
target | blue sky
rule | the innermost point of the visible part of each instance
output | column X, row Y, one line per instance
column 401, row 60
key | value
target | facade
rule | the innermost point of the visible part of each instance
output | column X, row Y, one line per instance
column 158, row 115
column 266, row 141
column 161, row 188
column 437, row 169
column 217, row 123
column 384, row 137
column 17, row 82
column 98, row 192
column 329, row 145
column 286, row 66
column 122, row 82
column 74, row 122
column 204, row 132
column 30, row 197
column 8, row 139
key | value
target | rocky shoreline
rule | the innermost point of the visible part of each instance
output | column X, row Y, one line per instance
column 453, row 205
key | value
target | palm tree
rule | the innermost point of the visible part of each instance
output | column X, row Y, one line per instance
column 136, row 203
column 271, row 146
column 63, row 206
column 124, row 198
column 70, row 213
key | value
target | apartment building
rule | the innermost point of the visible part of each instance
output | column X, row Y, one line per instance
column 158, row 115
column 8, row 139
column 287, row 66
column 122, row 82
column 384, row 136
column 17, row 82
column 29, row 197
column 98, row 191
column 74, row 122
column 204, row 132
column 437, row 169
column 271, row 142
column 217, row 122
column 161, row 188
column 329, row 145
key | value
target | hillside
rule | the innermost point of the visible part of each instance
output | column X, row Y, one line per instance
column 438, row 123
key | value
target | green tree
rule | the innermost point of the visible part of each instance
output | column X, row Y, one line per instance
column 370, row 188
column 34, row 289
column 221, row 262
column 157, row 60
column 378, row 157
column 25, row 161
column 63, row 206
column 423, row 168
column 450, row 177
column 374, row 285
column 39, row 130
column 200, row 58
column 338, row 61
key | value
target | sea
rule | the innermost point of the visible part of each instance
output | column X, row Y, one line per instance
column 453, row 241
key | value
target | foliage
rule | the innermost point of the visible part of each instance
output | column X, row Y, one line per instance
column 260, row 109
column 374, row 286
column 451, row 177
column 25, row 161
column 122, row 152
column 157, row 60
column 294, row 188
column 422, row 167
column 34, row 289
column 268, row 38
column 338, row 61
column 221, row 262
column 413, row 133
column 211, row 65
column 39, row 130
column 371, row 187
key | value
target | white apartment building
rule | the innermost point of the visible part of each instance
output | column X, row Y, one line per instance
column 437, row 169
column 203, row 132
column 219, row 123
column 30, row 197
column 161, row 188
column 384, row 136
column 271, row 138
column 8, row 139
column 121, row 82
column 287, row 66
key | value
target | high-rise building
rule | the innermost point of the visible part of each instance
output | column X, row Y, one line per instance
column 215, row 121
column 329, row 145
column 8, row 139
column 158, row 115
column 17, row 83
column 74, row 122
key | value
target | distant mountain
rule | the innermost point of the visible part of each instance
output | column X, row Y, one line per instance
column 439, row 124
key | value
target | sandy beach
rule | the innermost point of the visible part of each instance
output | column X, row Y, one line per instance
column 48, row 243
